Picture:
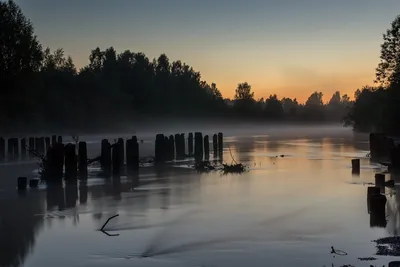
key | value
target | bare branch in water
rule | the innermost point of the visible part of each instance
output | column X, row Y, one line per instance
column 102, row 228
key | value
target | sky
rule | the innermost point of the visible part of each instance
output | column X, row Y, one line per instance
column 285, row 47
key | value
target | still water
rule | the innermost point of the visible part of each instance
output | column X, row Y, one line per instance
column 286, row 211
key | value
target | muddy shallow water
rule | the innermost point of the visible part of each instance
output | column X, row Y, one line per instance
column 286, row 211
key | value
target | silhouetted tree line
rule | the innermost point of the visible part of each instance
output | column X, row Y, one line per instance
column 376, row 108
column 41, row 88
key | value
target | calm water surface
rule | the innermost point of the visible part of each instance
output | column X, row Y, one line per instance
column 286, row 211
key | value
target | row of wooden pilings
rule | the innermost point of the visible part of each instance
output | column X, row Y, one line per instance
column 20, row 147
column 173, row 147
column 376, row 200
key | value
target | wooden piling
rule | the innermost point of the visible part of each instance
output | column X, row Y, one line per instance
column 377, row 203
column 116, row 158
column 159, row 148
column 183, row 145
column 59, row 139
column 82, row 158
column 178, row 148
column 53, row 140
column 379, row 179
column 22, row 183
column 215, row 145
column 23, row 147
column 54, row 164
column 171, row 147
column 198, row 146
column 355, row 165
column 10, row 147
column 71, row 163
column 190, row 144
column 47, row 142
column 105, row 160
column 122, row 151
column 129, row 153
column 373, row 190
column 135, row 154
column 206, row 147
column 220, row 144
column 2, row 148
column 31, row 143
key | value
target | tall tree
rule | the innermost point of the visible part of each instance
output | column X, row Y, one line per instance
column 20, row 58
column 388, row 70
column 243, row 92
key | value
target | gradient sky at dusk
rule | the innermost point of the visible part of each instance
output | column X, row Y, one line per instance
column 287, row 47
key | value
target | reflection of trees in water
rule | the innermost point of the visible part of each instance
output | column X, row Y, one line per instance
column 19, row 225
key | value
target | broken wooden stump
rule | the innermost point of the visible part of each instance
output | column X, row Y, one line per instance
column 132, row 154
column 220, row 144
column 215, row 145
column 122, row 151
column 40, row 145
column 355, row 165
column 190, row 144
column 82, row 158
column 59, row 139
column 105, row 155
column 178, row 147
column 206, row 147
column 47, row 142
column 171, row 147
column 198, row 146
column 116, row 158
column 22, row 183
column 23, row 147
column 159, row 149
column 71, row 163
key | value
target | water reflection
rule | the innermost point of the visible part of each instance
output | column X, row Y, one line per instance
column 290, row 205
column 19, row 226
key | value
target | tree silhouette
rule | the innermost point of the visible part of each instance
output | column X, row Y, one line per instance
column 273, row 108
column 388, row 70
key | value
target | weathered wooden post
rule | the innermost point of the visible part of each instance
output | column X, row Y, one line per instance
column 82, row 157
column 183, row 145
column 54, row 164
column 31, row 143
column 377, row 203
column 167, row 148
column 220, row 144
column 171, row 147
column 379, row 179
column 16, row 147
column 206, row 147
column 105, row 160
column 373, row 190
column 53, row 140
column 198, row 146
column 59, row 139
column 355, row 165
column 159, row 148
column 135, row 153
column 116, row 158
column 22, row 183
column 190, row 144
column 121, row 150
column 23, row 147
column 215, row 145
column 47, row 141
column 71, row 163
column 177, row 146
column 2, row 148
column 395, row 158
column 129, row 153
column 10, row 147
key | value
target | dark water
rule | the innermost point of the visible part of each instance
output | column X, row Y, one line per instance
column 286, row 211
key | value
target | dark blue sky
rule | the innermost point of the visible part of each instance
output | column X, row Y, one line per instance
column 290, row 47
